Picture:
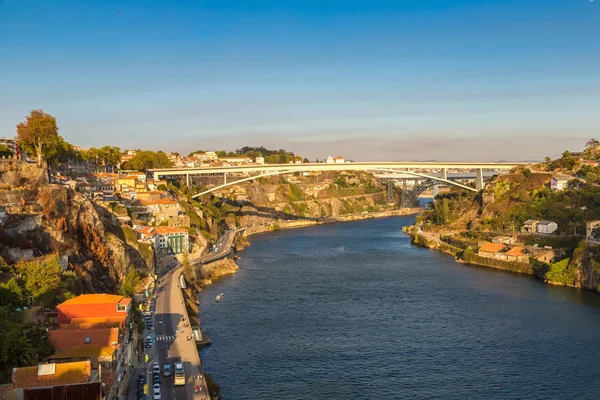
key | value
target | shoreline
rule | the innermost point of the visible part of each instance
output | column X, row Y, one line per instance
column 303, row 223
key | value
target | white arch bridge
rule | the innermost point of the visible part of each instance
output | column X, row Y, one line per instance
column 421, row 171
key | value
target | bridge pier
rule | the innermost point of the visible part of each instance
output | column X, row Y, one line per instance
column 444, row 174
column 435, row 189
column 225, row 178
column 187, row 180
column 479, row 179
column 390, row 192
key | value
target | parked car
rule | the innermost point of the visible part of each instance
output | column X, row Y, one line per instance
column 166, row 370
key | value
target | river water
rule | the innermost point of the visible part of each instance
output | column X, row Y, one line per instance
column 354, row 311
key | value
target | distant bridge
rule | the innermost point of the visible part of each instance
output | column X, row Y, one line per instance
column 421, row 170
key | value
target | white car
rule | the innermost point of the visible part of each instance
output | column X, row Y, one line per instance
column 156, row 368
column 156, row 394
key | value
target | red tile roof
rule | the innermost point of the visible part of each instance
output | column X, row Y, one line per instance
column 491, row 247
column 162, row 230
column 57, row 374
column 101, row 298
column 516, row 251
column 63, row 339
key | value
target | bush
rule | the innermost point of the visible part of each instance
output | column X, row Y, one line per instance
column 562, row 272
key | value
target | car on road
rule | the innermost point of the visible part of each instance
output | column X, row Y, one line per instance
column 156, row 394
column 149, row 325
column 155, row 368
column 155, row 379
column 166, row 370
column 148, row 341
column 143, row 378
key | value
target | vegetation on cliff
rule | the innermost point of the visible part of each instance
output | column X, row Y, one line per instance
column 510, row 199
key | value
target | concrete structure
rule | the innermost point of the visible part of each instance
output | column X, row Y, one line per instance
column 546, row 227
column 330, row 160
column 592, row 231
column 89, row 306
column 530, row 226
column 162, row 209
column 260, row 160
column 246, row 171
column 10, row 143
column 491, row 250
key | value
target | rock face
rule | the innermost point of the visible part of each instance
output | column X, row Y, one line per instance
column 68, row 223
column 218, row 269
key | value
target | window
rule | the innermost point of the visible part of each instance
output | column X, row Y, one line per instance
column 121, row 308
column 87, row 339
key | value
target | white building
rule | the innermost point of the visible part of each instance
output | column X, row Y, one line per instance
column 559, row 183
column 339, row 160
column 546, row 227
column 330, row 160
column 260, row 160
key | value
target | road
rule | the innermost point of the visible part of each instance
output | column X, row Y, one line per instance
column 171, row 344
column 224, row 248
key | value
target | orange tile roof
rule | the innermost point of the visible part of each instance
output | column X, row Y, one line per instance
column 146, row 230
column 100, row 298
column 86, row 323
column 64, row 374
column 491, row 247
column 63, row 339
column 164, row 201
column 516, row 251
column 161, row 230
column 86, row 351
column 98, row 320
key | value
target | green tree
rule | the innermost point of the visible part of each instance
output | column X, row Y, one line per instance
column 145, row 160
column 17, row 351
column 5, row 151
column 562, row 272
column 130, row 283
column 592, row 144
column 42, row 277
column 37, row 132
column 11, row 293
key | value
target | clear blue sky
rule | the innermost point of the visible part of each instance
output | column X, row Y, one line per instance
column 373, row 79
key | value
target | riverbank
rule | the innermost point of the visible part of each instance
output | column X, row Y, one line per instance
column 434, row 241
column 303, row 223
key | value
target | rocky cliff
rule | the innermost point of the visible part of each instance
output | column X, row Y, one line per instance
column 42, row 218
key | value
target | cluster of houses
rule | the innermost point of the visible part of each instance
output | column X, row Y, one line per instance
column 533, row 226
column 95, row 345
column 506, row 248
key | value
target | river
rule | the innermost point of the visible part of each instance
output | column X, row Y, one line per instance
column 354, row 311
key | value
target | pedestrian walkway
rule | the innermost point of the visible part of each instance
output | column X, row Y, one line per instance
column 165, row 338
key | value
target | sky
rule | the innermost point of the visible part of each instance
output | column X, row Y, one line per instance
column 368, row 80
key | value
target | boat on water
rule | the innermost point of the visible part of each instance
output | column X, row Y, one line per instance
column 219, row 297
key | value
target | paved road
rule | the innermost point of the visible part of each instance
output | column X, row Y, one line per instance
column 224, row 248
column 171, row 344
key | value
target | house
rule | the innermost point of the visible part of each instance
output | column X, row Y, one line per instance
column 63, row 339
column 546, row 227
column 168, row 240
column 516, row 254
column 235, row 160
column 259, row 160
column 180, row 221
column 530, row 226
column 103, row 356
column 546, row 255
column 87, row 306
column 330, row 160
column 145, row 233
column 504, row 240
column 559, row 183
column 592, row 231
column 162, row 209
column 338, row 160
column 70, row 380
column 491, row 250
column 126, row 182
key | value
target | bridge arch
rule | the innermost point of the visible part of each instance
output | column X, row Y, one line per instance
column 416, row 174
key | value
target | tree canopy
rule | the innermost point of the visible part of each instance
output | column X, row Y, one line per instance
column 37, row 133
column 42, row 277
column 145, row 160
column 5, row 151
